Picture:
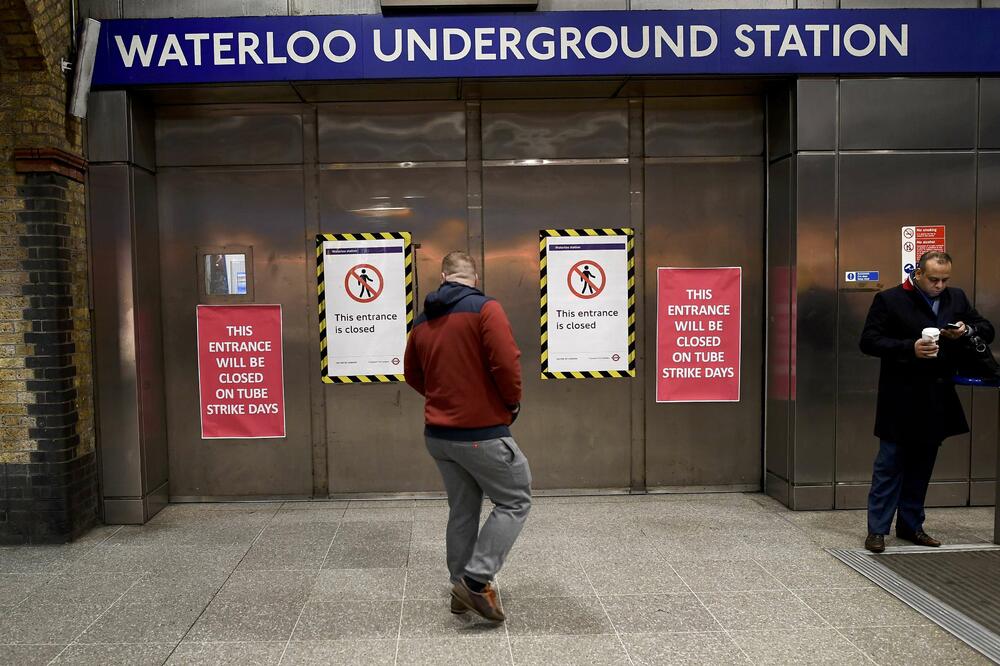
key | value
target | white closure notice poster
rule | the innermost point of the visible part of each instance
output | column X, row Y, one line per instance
column 588, row 303
column 365, row 305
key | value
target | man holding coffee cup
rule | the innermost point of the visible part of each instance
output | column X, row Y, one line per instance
column 914, row 328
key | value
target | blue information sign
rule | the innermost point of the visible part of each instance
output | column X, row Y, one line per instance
column 861, row 276
column 718, row 42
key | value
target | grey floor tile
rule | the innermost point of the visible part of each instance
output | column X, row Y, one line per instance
column 486, row 650
column 861, row 608
column 390, row 534
column 169, row 589
column 522, row 582
column 29, row 655
column 556, row 616
column 143, row 623
column 303, row 556
column 51, row 622
column 148, row 654
column 322, row 621
column 431, row 582
column 382, row 504
column 359, row 584
column 652, row 576
column 427, row 618
column 913, row 645
column 688, row 649
column 378, row 514
column 36, row 559
column 799, row 646
column 604, row 650
column 321, row 531
column 14, row 588
column 267, row 587
column 306, row 517
column 725, row 576
column 658, row 613
column 369, row 652
column 423, row 554
column 824, row 573
column 243, row 622
column 227, row 654
column 757, row 611
column 101, row 589
column 354, row 556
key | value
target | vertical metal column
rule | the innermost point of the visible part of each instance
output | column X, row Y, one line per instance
column 636, row 167
column 474, row 181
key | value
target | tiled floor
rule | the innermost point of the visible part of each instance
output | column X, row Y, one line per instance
column 668, row 579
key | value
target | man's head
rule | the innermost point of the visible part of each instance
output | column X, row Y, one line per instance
column 459, row 267
column 933, row 272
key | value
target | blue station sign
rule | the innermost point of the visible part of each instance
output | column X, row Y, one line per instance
column 605, row 43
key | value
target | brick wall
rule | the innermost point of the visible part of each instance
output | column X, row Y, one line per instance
column 47, row 461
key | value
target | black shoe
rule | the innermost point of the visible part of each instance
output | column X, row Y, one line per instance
column 919, row 537
column 875, row 543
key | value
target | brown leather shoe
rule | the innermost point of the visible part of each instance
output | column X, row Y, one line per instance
column 484, row 604
column 919, row 537
column 875, row 543
column 457, row 607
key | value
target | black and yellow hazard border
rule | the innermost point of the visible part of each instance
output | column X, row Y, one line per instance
column 543, row 283
column 321, row 293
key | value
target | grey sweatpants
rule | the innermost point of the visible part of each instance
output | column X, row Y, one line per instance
column 498, row 469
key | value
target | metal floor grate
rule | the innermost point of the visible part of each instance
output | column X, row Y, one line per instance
column 958, row 587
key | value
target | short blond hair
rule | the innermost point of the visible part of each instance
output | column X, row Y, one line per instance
column 459, row 264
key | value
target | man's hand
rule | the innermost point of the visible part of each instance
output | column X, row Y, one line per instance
column 954, row 333
column 515, row 410
column 925, row 348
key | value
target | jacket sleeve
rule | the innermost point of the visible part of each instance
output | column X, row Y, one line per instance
column 413, row 371
column 876, row 339
column 502, row 353
column 984, row 328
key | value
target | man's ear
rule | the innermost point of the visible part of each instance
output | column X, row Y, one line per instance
column 443, row 278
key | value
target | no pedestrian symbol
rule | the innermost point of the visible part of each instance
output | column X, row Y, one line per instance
column 363, row 283
column 586, row 279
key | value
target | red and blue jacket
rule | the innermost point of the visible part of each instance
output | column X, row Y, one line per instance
column 461, row 356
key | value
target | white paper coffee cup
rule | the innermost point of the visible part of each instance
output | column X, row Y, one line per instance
column 931, row 334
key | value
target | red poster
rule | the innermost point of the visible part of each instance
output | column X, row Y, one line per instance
column 928, row 239
column 698, row 334
column 240, row 371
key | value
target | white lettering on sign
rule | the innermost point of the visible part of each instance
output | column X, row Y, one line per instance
column 569, row 43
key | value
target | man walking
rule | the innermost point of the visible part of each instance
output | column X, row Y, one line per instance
column 917, row 404
column 461, row 356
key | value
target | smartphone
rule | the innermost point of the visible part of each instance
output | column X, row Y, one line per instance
column 950, row 326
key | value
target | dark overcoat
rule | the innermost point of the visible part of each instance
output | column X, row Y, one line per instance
column 917, row 401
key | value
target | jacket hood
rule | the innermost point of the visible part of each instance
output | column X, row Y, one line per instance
column 440, row 302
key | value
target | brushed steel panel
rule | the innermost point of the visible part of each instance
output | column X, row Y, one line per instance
column 202, row 8
column 682, row 87
column 555, row 130
column 779, row 430
column 116, row 394
column 907, row 113
column 989, row 111
column 985, row 434
column 215, row 139
column 982, row 493
column 704, row 126
column 816, row 4
column 780, row 133
column 879, row 193
column 373, row 91
column 816, row 114
column 124, row 511
column 711, row 4
column 263, row 208
column 142, row 131
column 107, row 126
column 574, row 432
column 100, row 9
column 581, row 5
column 939, row 493
column 386, row 132
column 708, row 212
column 332, row 7
column 256, row 93
column 813, row 498
column 148, row 332
column 814, row 387
column 908, row 4
column 387, row 454
column 778, row 488
column 541, row 88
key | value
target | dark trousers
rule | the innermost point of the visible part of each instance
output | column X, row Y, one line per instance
column 899, row 486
